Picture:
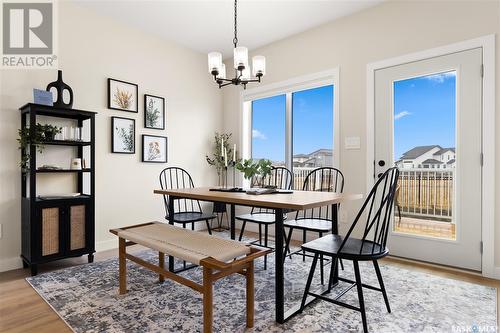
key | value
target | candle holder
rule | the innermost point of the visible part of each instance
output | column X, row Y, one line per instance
column 225, row 178
column 233, row 165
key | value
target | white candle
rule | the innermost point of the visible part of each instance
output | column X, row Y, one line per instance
column 222, row 146
column 234, row 152
column 225, row 157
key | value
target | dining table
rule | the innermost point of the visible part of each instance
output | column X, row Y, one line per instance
column 279, row 202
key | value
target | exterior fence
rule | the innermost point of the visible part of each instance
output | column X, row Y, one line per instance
column 299, row 174
column 426, row 193
column 422, row 193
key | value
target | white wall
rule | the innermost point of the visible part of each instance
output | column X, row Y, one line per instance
column 391, row 29
column 91, row 49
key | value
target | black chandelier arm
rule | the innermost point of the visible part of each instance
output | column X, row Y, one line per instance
column 224, row 84
column 251, row 80
column 222, row 79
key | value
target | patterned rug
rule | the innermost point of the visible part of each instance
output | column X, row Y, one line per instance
column 86, row 298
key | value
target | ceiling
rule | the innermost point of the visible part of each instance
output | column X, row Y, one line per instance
column 207, row 25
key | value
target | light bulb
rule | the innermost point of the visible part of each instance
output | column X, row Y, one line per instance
column 259, row 65
column 222, row 72
column 240, row 57
column 214, row 62
column 246, row 73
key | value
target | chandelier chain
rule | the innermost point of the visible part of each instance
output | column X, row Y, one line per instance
column 235, row 39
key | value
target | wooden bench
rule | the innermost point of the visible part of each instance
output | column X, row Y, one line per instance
column 218, row 257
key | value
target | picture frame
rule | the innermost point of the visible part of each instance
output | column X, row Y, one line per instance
column 154, row 148
column 154, row 112
column 123, row 96
column 122, row 135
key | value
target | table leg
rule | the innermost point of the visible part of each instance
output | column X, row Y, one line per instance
column 171, row 222
column 233, row 222
column 279, row 266
column 335, row 230
column 335, row 219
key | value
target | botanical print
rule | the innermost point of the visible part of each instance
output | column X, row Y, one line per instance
column 122, row 95
column 153, row 151
column 154, row 112
column 154, row 148
column 122, row 98
column 123, row 135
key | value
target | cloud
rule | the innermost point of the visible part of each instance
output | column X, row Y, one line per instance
column 439, row 78
column 256, row 134
column 401, row 115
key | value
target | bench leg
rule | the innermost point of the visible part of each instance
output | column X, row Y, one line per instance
column 207, row 300
column 161, row 263
column 250, row 294
column 122, row 266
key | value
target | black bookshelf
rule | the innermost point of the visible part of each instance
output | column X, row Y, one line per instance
column 54, row 228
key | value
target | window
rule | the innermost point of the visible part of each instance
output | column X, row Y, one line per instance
column 268, row 129
column 312, row 114
column 293, row 126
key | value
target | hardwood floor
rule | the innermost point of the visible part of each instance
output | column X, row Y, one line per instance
column 22, row 310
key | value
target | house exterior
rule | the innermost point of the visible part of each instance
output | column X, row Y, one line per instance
column 318, row 158
column 428, row 157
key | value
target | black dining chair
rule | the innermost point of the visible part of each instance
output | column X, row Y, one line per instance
column 282, row 179
column 378, row 211
column 318, row 220
column 186, row 211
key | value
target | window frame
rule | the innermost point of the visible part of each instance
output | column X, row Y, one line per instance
column 287, row 88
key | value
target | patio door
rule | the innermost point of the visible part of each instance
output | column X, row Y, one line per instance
column 428, row 123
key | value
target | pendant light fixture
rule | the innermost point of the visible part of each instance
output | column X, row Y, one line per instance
column 243, row 74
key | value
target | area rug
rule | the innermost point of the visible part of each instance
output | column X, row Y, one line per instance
column 86, row 298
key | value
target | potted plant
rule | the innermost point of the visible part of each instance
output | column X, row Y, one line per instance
column 256, row 171
column 43, row 133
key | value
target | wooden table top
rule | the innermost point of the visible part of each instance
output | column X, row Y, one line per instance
column 298, row 200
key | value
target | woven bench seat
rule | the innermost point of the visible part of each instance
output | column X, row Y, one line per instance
column 218, row 257
column 184, row 244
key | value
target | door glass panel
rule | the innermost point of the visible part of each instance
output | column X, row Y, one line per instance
column 424, row 151
column 312, row 114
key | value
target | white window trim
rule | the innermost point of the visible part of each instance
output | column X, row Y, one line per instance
column 487, row 43
column 310, row 81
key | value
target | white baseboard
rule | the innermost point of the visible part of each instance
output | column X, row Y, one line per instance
column 496, row 273
column 9, row 264
column 106, row 245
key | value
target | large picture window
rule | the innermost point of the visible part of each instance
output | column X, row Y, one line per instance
column 294, row 128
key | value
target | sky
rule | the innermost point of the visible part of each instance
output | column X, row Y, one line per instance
column 424, row 112
column 312, row 123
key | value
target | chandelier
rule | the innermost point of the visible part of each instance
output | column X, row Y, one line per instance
column 241, row 67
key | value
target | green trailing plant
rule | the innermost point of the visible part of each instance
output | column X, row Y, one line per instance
column 255, row 170
column 217, row 158
column 43, row 133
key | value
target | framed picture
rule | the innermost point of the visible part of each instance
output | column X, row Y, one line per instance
column 122, row 135
column 154, row 148
column 123, row 96
column 154, row 112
